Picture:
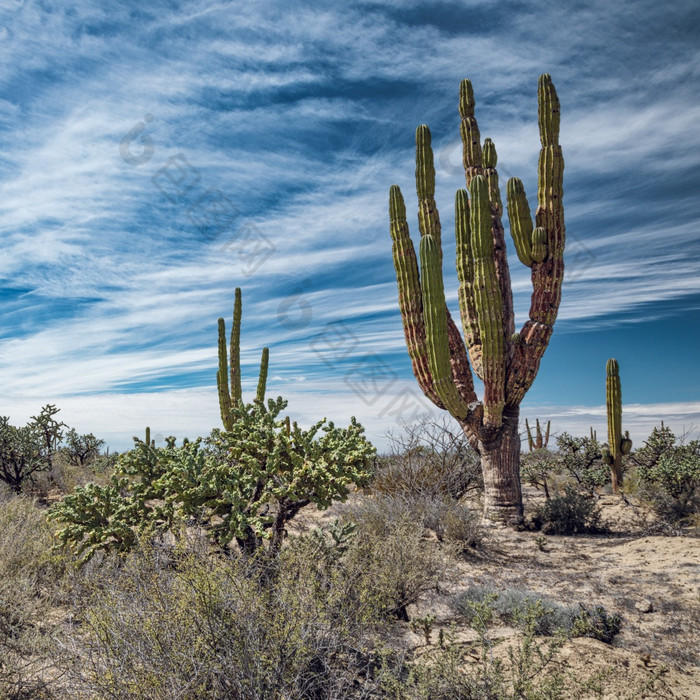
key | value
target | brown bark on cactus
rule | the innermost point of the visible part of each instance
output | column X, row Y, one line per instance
column 509, row 364
column 500, row 463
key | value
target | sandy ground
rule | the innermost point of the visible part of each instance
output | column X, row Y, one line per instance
column 652, row 582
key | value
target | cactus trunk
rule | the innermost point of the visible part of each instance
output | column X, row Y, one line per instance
column 506, row 361
column 500, row 464
column 617, row 444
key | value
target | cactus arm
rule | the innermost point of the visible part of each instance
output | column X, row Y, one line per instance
column 472, row 156
column 410, row 299
column 429, row 224
column 436, row 332
column 520, row 220
column 546, row 437
column 465, row 275
column 547, row 275
column 539, row 433
column 428, row 216
column 262, row 380
column 539, row 245
column 236, row 390
column 499, row 237
column 222, row 378
column 530, row 440
column 489, row 303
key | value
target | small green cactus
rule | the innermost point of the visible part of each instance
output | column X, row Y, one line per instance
column 617, row 444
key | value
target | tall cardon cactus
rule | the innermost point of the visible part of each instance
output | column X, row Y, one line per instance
column 504, row 360
column 228, row 398
column 617, row 444
column 537, row 442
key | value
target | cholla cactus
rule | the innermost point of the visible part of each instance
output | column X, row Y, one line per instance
column 617, row 444
column 229, row 398
column 506, row 362
column 242, row 485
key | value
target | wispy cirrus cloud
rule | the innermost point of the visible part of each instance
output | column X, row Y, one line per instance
column 301, row 115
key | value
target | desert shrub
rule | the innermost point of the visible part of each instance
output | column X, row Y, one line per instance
column 241, row 485
column 452, row 522
column 27, row 576
column 570, row 513
column 391, row 556
column 526, row 668
column 530, row 610
column 538, row 469
column 595, row 622
column 512, row 607
column 177, row 624
column 669, row 474
column 431, row 458
column 27, row 450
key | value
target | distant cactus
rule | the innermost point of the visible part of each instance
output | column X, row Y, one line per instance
column 617, row 444
column 148, row 441
column 537, row 442
column 228, row 399
column 506, row 361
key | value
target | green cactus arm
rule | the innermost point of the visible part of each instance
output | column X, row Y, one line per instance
column 236, row 390
column 472, row 156
column 490, row 158
column 222, row 378
column 548, row 275
column 489, row 303
column 429, row 224
column 465, row 275
column 428, row 216
column 546, row 436
column 539, row 245
column 478, row 161
column 520, row 220
column 436, row 332
column 262, row 380
column 410, row 298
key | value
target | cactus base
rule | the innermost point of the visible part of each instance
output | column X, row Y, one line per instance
column 500, row 465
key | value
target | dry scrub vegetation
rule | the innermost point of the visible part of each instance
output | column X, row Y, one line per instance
column 400, row 592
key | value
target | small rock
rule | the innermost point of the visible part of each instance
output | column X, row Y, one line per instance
column 644, row 606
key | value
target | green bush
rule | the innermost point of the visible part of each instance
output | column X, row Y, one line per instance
column 570, row 513
column 28, row 450
column 669, row 474
column 242, row 485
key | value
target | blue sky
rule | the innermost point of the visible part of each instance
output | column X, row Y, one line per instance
column 154, row 156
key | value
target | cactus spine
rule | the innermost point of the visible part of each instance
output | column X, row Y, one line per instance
column 506, row 361
column 618, row 445
column 228, row 398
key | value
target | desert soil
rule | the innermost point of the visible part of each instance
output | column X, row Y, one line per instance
column 652, row 582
